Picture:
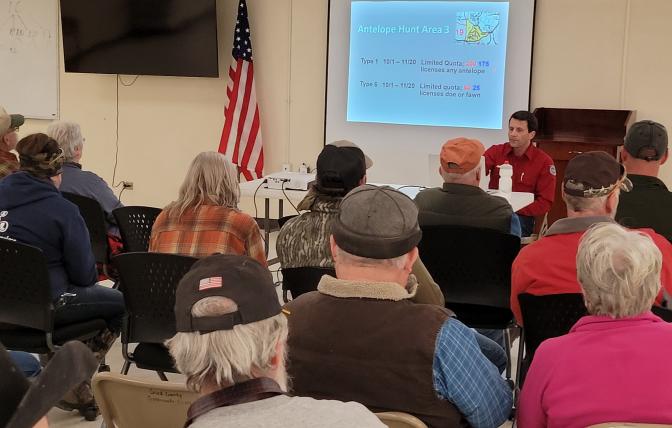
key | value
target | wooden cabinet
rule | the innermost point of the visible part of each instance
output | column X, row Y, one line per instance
column 564, row 133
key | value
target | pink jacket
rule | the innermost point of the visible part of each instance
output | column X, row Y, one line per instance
column 604, row 370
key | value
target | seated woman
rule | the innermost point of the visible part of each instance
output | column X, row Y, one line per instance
column 205, row 218
column 80, row 182
column 34, row 212
column 613, row 364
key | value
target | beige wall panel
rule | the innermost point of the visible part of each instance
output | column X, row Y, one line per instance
column 308, row 80
column 648, row 85
column 578, row 49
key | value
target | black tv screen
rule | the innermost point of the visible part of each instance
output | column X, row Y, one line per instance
column 149, row 37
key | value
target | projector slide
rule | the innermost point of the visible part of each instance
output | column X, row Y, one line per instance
column 436, row 63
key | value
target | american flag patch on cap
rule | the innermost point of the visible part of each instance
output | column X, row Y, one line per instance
column 207, row 283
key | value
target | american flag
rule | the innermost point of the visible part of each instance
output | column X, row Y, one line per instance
column 241, row 136
column 208, row 283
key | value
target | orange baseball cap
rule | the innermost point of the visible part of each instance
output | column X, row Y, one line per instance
column 461, row 155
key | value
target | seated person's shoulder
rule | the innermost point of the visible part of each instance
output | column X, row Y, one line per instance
column 337, row 413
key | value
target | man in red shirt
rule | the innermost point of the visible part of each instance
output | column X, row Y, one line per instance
column 533, row 170
column 591, row 188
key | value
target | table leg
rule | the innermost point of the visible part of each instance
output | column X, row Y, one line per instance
column 280, row 203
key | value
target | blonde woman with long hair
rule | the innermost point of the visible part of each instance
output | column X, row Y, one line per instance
column 205, row 218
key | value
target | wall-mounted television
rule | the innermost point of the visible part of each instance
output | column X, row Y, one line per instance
column 148, row 37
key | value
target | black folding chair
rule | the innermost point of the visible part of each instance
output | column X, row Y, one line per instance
column 149, row 282
column 665, row 314
column 548, row 316
column 302, row 280
column 94, row 217
column 135, row 225
column 473, row 269
column 26, row 306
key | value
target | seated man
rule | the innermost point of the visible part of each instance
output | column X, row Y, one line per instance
column 649, row 204
column 375, row 346
column 9, row 126
column 304, row 240
column 24, row 403
column 75, row 180
column 533, row 169
column 591, row 188
column 34, row 212
column 231, row 346
column 460, row 201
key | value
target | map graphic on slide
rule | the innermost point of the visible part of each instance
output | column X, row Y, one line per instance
column 477, row 27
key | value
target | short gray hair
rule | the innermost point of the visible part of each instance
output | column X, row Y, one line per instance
column 619, row 270
column 227, row 357
column 450, row 177
column 353, row 260
column 69, row 137
column 580, row 204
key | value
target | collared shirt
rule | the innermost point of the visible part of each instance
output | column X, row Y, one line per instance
column 648, row 204
column 533, row 172
column 605, row 369
column 463, row 376
column 207, row 230
column 8, row 163
column 548, row 266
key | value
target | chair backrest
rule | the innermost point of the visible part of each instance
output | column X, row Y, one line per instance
column 471, row 265
column 304, row 279
column 25, row 295
column 664, row 314
column 132, row 403
column 548, row 316
column 149, row 282
column 135, row 225
column 400, row 420
column 94, row 217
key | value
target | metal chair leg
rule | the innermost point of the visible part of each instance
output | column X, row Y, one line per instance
column 162, row 375
column 507, row 345
column 126, row 367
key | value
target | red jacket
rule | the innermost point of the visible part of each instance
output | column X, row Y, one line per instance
column 548, row 266
column 533, row 172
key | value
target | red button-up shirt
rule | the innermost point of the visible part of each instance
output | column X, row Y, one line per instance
column 533, row 172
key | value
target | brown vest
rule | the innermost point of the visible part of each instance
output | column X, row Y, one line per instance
column 375, row 352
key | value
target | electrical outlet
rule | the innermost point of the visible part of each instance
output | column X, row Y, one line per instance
column 127, row 185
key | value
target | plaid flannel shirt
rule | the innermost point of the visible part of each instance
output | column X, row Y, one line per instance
column 206, row 230
column 8, row 163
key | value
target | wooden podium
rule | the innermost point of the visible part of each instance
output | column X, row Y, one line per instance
column 566, row 132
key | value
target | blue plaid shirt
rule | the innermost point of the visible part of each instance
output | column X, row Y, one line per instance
column 463, row 376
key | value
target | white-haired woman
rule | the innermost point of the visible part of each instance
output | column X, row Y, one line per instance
column 614, row 363
column 80, row 182
column 205, row 218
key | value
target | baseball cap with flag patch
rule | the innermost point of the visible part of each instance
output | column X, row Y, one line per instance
column 238, row 278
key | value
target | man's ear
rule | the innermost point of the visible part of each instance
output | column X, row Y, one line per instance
column 334, row 248
column 612, row 201
column 532, row 135
column 625, row 156
column 276, row 359
column 665, row 156
column 411, row 257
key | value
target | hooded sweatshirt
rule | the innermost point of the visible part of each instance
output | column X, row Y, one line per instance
column 32, row 211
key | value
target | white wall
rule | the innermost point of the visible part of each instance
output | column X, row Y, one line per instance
column 587, row 53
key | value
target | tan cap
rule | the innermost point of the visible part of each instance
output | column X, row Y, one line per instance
column 345, row 143
column 461, row 155
column 9, row 121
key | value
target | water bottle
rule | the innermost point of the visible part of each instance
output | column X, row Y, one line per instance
column 505, row 174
